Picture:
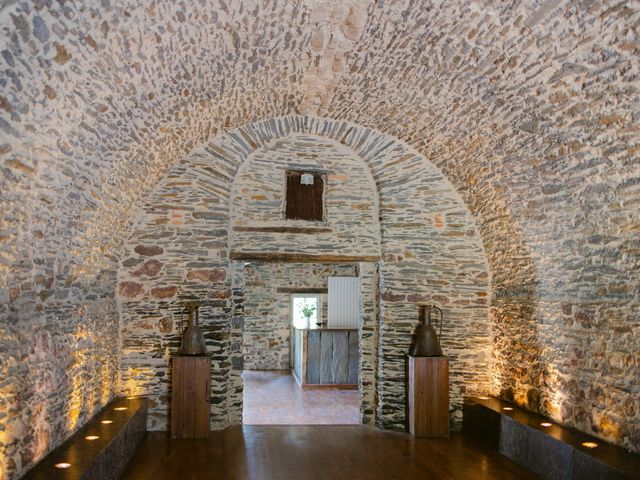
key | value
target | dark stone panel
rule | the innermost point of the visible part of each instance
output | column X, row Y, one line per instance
column 585, row 467
column 105, row 458
column 554, row 452
column 535, row 450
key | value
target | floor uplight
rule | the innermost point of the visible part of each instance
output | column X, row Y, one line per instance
column 62, row 465
column 545, row 424
column 120, row 408
column 589, row 444
column 106, row 422
column 91, row 437
column 483, row 398
column 508, row 409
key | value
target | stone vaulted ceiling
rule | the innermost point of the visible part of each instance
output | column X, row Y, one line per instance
column 508, row 98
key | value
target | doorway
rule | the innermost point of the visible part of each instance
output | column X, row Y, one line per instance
column 283, row 302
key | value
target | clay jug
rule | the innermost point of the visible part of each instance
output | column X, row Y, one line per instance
column 192, row 338
column 426, row 342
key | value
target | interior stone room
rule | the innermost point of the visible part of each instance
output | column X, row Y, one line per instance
column 480, row 156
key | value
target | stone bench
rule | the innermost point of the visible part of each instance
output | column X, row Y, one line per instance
column 550, row 450
column 101, row 449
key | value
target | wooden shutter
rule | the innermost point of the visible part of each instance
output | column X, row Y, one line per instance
column 304, row 202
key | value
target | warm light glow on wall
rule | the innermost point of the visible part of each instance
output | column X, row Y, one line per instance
column 136, row 381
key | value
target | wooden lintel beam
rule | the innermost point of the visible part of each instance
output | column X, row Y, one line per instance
column 302, row 290
column 272, row 257
column 297, row 230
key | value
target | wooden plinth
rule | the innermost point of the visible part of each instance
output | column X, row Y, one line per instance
column 190, row 393
column 429, row 396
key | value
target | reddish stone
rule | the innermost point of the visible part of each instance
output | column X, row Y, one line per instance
column 149, row 268
column 62, row 55
column 585, row 318
column 388, row 296
column 165, row 325
column 148, row 250
column 14, row 293
column 214, row 275
column 164, row 292
column 440, row 299
column 415, row 298
column 27, row 456
column 130, row 289
column 219, row 294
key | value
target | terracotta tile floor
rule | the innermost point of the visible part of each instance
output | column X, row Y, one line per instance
column 273, row 398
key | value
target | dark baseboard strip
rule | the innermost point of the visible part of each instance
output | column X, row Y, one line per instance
column 552, row 451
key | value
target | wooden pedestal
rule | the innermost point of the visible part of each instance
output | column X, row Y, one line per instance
column 190, row 394
column 429, row 396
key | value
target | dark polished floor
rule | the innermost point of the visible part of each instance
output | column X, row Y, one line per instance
column 317, row 452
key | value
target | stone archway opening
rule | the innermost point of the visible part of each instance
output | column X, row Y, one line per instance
column 223, row 204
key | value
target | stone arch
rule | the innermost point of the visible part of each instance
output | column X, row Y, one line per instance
column 429, row 250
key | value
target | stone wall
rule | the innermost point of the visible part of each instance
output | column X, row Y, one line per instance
column 430, row 253
column 351, row 225
column 58, row 358
column 267, row 312
column 178, row 252
column 528, row 108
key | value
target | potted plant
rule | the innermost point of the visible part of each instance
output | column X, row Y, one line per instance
column 307, row 310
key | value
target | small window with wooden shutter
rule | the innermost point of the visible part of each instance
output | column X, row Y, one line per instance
column 305, row 196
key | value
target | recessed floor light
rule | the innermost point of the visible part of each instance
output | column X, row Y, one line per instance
column 62, row 465
column 120, row 408
column 91, row 437
column 106, row 422
column 483, row 398
column 545, row 424
column 508, row 409
column 589, row 444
